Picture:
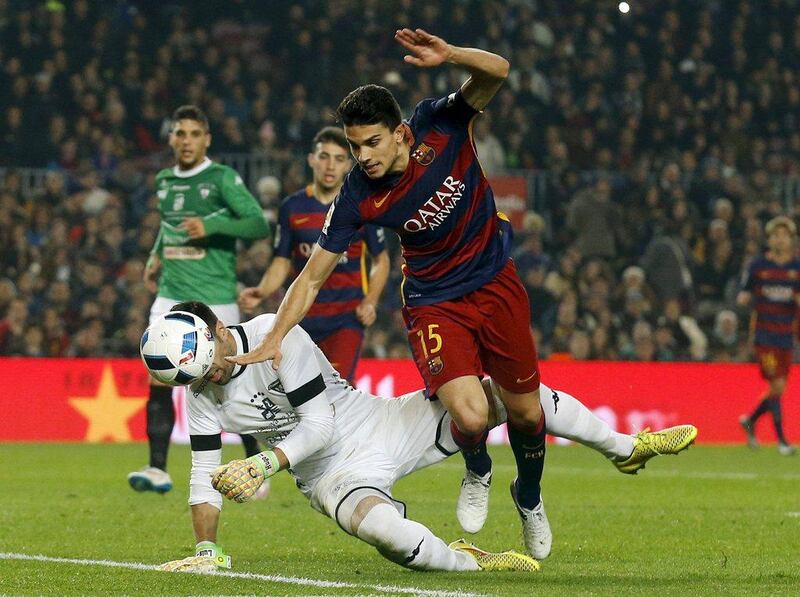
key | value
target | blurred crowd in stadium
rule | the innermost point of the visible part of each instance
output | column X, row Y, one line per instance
column 666, row 141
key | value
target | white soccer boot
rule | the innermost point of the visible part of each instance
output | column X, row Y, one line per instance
column 786, row 449
column 535, row 527
column 473, row 501
column 150, row 479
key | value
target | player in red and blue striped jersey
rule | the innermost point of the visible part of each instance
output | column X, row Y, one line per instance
column 466, row 309
column 772, row 284
column 347, row 302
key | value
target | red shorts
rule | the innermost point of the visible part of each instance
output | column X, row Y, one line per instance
column 485, row 331
column 343, row 348
column 774, row 362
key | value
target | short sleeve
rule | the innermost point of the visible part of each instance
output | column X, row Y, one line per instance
column 375, row 237
column 299, row 370
column 237, row 197
column 200, row 414
column 283, row 232
column 451, row 111
column 341, row 224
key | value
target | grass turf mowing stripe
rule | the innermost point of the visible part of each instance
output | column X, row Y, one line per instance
column 244, row 575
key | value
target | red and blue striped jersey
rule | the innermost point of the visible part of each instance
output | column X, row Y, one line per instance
column 300, row 220
column 775, row 289
column 442, row 207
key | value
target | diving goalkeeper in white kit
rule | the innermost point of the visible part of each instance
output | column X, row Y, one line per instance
column 344, row 447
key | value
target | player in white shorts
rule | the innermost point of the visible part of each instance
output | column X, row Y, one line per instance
column 344, row 447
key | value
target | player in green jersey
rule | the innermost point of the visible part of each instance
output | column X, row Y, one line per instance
column 205, row 207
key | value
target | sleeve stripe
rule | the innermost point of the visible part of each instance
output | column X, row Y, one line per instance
column 307, row 391
column 203, row 443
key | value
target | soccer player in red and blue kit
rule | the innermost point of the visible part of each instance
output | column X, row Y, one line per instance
column 464, row 305
column 773, row 282
column 347, row 301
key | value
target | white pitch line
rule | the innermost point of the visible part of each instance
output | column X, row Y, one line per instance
column 293, row 580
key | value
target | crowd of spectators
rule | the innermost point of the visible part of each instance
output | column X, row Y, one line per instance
column 665, row 135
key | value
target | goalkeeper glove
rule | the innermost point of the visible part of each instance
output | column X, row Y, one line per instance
column 239, row 479
column 208, row 557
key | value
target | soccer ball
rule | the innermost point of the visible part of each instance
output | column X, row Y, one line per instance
column 177, row 348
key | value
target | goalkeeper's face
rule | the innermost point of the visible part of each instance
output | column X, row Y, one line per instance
column 221, row 370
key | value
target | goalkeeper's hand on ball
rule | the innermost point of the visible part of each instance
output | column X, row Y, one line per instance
column 208, row 557
column 240, row 479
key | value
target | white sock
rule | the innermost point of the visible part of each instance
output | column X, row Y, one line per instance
column 567, row 417
column 409, row 543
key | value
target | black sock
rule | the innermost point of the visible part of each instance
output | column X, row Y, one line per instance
column 251, row 447
column 529, row 450
column 762, row 408
column 473, row 449
column 160, row 420
column 777, row 418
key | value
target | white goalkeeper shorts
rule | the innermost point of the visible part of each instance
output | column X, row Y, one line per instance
column 228, row 313
column 404, row 435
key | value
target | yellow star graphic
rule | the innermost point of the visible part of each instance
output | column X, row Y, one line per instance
column 107, row 412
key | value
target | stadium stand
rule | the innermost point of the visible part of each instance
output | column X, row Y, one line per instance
column 659, row 143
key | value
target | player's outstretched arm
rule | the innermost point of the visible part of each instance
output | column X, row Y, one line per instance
column 295, row 305
column 487, row 70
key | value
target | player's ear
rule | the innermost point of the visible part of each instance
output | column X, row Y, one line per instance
column 208, row 140
column 220, row 331
column 310, row 160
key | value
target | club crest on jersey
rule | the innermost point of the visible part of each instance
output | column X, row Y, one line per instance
column 205, row 189
column 277, row 386
column 423, row 154
column 435, row 365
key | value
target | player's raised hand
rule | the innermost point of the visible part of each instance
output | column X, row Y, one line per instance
column 194, row 227
column 426, row 50
column 250, row 298
column 270, row 348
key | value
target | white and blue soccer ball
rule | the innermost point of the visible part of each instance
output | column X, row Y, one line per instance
column 177, row 348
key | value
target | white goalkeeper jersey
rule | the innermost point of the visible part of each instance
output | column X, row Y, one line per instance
column 304, row 408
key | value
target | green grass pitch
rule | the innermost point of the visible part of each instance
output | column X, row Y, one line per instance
column 713, row 520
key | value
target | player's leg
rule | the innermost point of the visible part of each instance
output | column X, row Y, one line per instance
column 777, row 388
column 446, row 354
column 768, row 360
column 508, row 354
column 160, row 421
column 565, row 416
column 343, row 348
column 374, row 517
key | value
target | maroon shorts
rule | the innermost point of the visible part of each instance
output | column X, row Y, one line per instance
column 774, row 362
column 485, row 331
column 343, row 348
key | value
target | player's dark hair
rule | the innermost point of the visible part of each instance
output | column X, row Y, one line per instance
column 330, row 134
column 370, row 104
column 202, row 310
column 190, row 112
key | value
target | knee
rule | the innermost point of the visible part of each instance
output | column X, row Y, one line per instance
column 471, row 421
column 527, row 414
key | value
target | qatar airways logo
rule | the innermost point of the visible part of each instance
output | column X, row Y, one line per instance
column 436, row 209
